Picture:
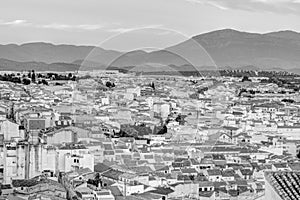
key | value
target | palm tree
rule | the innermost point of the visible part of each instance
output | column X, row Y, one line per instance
column 98, row 179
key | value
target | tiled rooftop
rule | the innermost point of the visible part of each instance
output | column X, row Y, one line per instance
column 286, row 184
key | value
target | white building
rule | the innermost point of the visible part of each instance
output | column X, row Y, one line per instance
column 74, row 158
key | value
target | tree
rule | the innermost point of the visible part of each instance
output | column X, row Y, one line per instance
column 44, row 82
column 109, row 84
column 152, row 85
column 288, row 100
column 192, row 177
column 180, row 119
column 246, row 78
column 163, row 130
column 97, row 176
column 16, row 80
column 33, row 76
column 26, row 81
column 241, row 92
column 98, row 180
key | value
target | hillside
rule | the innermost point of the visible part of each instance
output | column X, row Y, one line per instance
column 223, row 48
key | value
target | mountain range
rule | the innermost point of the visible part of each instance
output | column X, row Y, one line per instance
column 225, row 49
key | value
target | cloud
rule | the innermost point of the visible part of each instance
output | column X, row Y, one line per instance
column 212, row 3
column 275, row 6
column 76, row 27
column 222, row 7
column 18, row 22
column 129, row 29
column 56, row 26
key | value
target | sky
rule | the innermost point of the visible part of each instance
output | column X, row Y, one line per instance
column 130, row 24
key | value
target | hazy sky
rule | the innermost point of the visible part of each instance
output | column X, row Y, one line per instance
column 90, row 22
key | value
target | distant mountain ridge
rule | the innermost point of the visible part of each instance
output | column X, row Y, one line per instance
column 223, row 48
column 285, row 35
column 233, row 48
column 9, row 65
